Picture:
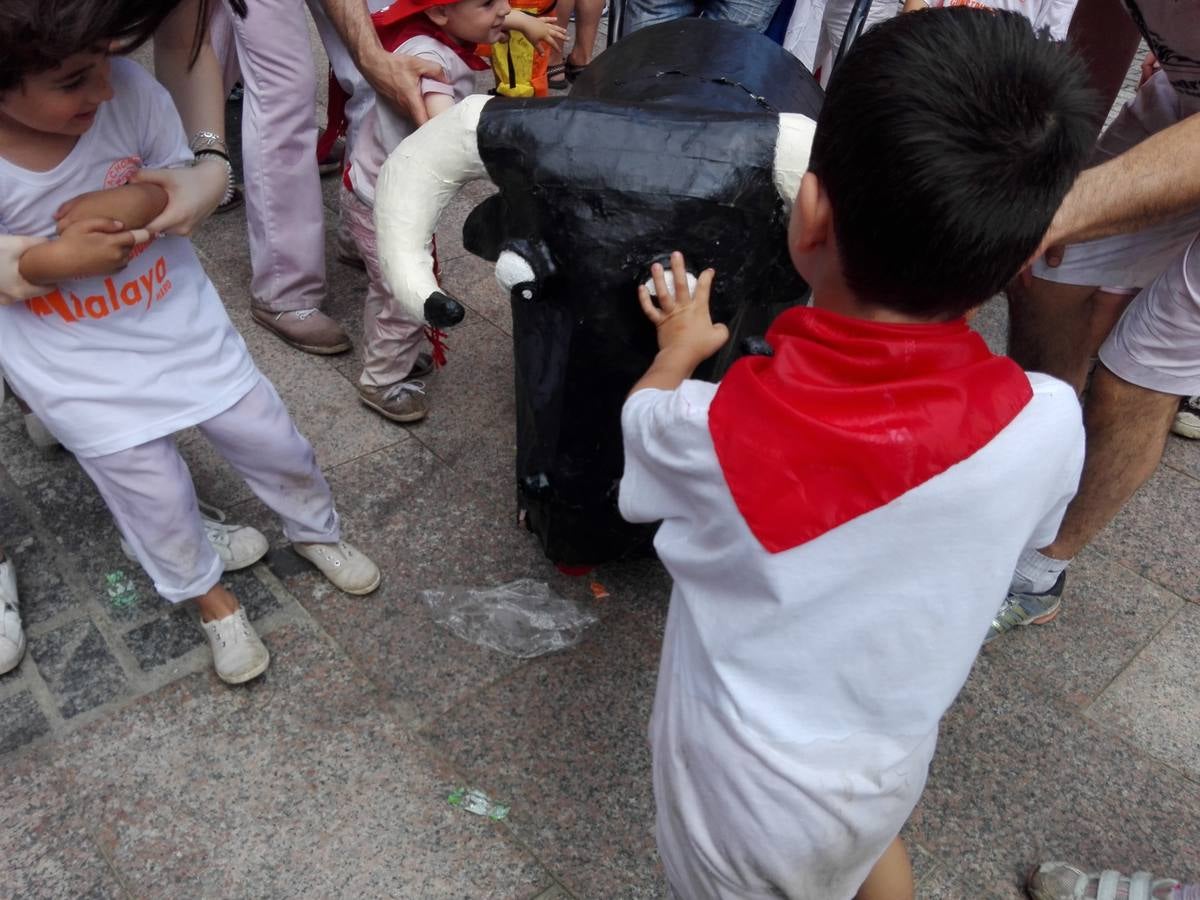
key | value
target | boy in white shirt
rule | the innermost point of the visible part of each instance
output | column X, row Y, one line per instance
column 841, row 518
column 130, row 343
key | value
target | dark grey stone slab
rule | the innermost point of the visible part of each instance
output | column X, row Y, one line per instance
column 22, row 720
column 78, row 667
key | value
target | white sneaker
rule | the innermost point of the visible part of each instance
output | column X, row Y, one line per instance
column 12, row 637
column 343, row 564
column 1187, row 420
column 238, row 654
column 238, row 546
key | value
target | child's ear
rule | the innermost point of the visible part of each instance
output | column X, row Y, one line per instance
column 437, row 15
column 814, row 215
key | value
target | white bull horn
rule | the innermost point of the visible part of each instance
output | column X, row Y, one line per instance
column 791, row 154
column 416, row 183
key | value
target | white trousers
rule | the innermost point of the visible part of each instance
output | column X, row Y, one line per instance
column 284, row 214
column 149, row 491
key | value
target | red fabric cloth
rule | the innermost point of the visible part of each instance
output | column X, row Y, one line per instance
column 849, row 414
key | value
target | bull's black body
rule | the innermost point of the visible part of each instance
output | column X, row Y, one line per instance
column 666, row 143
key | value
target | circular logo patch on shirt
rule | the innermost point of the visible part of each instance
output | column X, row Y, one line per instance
column 121, row 171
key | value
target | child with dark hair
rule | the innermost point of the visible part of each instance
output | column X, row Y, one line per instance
column 129, row 342
column 841, row 519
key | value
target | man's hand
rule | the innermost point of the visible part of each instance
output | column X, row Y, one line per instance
column 397, row 79
column 193, row 193
column 1149, row 67
column 13, row 287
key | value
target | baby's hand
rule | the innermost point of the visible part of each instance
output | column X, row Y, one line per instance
column 681, row 317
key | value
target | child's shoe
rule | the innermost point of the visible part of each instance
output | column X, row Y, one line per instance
column 238, row 654
column 403, row 401
column 238, row 546
column 12, row 636
column 1059, row 881
column 343, row 564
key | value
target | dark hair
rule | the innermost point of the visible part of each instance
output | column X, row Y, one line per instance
column 946, row 142
column 37, row 35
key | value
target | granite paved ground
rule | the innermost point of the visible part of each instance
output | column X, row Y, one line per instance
column 128, row 770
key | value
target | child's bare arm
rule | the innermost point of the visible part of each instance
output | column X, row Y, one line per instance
column 134, row 205
column 86, row 248
column 686, row 333
column 436, row 103
column 539, row 30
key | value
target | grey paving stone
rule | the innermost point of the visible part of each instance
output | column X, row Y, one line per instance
column 1157, row 532
column 1183, row 455
column 473, row 281
column 1107, row 616
column 1019, row 778
column 1155, row 703
column 78, row 667
column 251, row 593
column 166, row 638
column 47, row 849
column 43, row 593
column 299, row 784
column 564, row 741
column 22, row 719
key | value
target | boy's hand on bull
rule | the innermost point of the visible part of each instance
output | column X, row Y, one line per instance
column 681, row 316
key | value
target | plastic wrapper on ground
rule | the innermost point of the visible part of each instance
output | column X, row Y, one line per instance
column 523, row 618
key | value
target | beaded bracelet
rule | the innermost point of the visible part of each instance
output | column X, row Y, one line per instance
column 224, row 157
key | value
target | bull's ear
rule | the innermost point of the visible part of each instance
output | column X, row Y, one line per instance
column 484, row 230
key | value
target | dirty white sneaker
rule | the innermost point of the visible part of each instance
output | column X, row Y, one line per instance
column 12, row 636
column 343, row 564
column 238, row 654
column 238, row 546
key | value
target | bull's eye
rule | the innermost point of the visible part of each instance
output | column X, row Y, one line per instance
column 513, row 269
column 669, row 278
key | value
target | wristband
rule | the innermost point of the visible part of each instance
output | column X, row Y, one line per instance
column 217, row 154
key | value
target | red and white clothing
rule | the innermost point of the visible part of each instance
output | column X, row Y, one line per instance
column 392, row 337
column 823, row 621
column 1054, row 15
column 115, row 365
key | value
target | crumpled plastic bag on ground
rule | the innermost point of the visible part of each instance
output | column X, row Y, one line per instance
column 522, row 618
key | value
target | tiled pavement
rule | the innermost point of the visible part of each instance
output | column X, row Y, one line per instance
column 128, row 770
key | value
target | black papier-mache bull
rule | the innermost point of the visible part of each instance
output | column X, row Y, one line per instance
column 691, row 136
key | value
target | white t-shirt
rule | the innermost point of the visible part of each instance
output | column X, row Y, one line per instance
column 1052, row 14
column 799, row 692
column 383, row 129
column 110, row 363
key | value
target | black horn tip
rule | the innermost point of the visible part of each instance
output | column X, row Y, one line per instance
column 757, row 346
column 442, row 311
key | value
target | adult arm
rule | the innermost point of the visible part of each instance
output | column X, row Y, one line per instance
column 197, row 88
column 1155, row 180
column 395, row 77
column 1104, row 35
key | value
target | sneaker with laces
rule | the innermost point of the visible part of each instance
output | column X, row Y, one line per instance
column 1187, row 420
column 239, row 546
column 403, row 401
column 12, row 636
column 1027, row 609
column 347, row 567
column 238, row 654
column 1061, row 881
column 309, row 330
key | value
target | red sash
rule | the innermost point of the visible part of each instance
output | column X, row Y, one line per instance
column 850, row 414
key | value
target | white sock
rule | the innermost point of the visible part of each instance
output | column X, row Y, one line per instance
column 1036, row 572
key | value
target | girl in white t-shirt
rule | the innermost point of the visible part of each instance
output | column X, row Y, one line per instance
column 129, row 342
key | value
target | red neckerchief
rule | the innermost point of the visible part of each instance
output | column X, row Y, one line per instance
column 850, row 414
column 394, row 32
column 394, row 25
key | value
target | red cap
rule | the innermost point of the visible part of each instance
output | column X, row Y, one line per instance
column 403, row 9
